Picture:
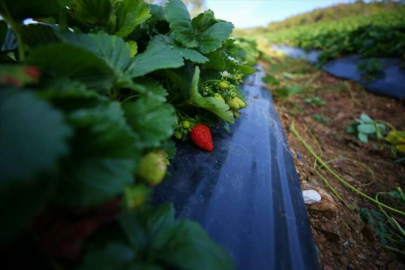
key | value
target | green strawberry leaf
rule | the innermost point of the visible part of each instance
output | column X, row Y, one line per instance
column 178, row 244
column 366, row 128
column 382, row 127
column 152, row 86
column 130, row 14
column 72, row 97
column 157, row 12
column 179, row 19
column 38, row 34
column 201, row 33
column 366, row 119
column 151, row 118
column 66, row 60
column 204, row 21
column 191, row 54
column 209, row 103
column 217, row 61
column 190, row 247
column 220, row 61
column 363, row 137
column 114, row 256
column 113, row 50
column 104, row 157
column 156, row 56
column 288, row 91
column 155, row 240
column 182, row 78
column 146, row 228
column 212, row 38
column 270, row 80
column 91, row 13
column 244, row 69
column 33, row 139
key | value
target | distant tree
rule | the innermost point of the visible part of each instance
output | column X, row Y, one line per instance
column 194, row 6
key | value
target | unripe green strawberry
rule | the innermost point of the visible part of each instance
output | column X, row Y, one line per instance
column 223, row 85
column 136, row 196
column 186, row 124
column 236, row 114
column 233, row 103
column 152, row 168
column 178, row 134
column 240, row 102
column 219, row 98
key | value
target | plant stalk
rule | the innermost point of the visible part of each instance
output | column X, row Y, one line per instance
column 337, row 176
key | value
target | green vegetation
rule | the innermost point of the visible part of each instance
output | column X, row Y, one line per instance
column 397, row 138
column 379, row 35
column 315, row 100
column 320, row 118
column 333, row 13
column 288, row 91
column 369, row 30
column 370, row 68
column 270, row 79
column 328, row 14
column 91, row 99
column 386, row 228
column 365, row 127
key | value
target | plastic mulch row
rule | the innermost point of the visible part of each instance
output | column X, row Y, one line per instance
column 391, row 81
column 246, row 193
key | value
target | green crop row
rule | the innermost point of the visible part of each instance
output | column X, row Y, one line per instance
column 379, row 35
column 91, row 96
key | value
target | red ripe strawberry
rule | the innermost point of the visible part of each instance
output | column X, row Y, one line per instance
column 32, row 72
column 201, row 137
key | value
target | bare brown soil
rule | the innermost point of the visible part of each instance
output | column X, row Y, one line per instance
column 342, row 238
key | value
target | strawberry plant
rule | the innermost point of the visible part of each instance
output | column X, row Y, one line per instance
column 365, row 127
column 288, row 91
column 386, row 227
column 315, row 100
column 270, row 79
column 92, row 95
column 320, row 118
column 376, row 35
column 370, row 68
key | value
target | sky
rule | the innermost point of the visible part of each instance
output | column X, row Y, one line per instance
column 252, row 13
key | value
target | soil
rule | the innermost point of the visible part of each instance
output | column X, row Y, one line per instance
column 344, row 241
